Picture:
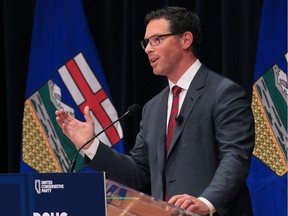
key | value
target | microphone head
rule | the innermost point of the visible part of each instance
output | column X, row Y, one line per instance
column 133, row 109
column 179, row 119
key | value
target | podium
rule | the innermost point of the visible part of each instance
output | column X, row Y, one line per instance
column 79, row 194
column 122, row 200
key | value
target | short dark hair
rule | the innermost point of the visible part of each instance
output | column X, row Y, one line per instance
column 180, row 20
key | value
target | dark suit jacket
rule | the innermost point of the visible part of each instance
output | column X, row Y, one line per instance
column 210, row 153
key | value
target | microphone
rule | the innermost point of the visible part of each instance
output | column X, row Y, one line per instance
column 130, row 111
column 179, row 119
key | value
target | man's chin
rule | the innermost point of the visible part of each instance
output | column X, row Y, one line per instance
column 157, row 72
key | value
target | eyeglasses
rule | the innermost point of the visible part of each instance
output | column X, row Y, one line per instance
column 155, row 40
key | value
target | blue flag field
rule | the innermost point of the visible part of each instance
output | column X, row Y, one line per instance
column 64, row 72
column 268, row 175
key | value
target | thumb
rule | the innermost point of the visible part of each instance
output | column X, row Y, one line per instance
column 87, row 115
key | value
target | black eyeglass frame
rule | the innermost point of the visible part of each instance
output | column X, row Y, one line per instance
column 145, row 42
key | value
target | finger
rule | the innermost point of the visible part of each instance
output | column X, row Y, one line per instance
column 198, row 208
column 195, row 209
column 187, row 203
column 60, row 120
column 61, row 114
column 180, row 202
column 87, row 115
column 174, row 199
column 66, row 119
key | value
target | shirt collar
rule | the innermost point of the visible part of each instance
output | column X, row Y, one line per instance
column 187, row 77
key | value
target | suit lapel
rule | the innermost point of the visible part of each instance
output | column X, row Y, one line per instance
column 161, row 135
column 191, row 98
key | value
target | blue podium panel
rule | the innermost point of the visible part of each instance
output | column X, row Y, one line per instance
column 12, row 198
column 55, row 194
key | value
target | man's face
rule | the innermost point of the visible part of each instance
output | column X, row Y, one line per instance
column 164, row 57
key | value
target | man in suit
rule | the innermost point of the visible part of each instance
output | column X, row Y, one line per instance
column 210, row 135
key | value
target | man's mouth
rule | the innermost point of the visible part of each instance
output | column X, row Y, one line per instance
column 153, row 61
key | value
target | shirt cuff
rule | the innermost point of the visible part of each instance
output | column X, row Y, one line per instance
column 209, row 204
column 91, row 151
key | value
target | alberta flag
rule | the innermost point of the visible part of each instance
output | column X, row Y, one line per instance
column 64, row 72
column 268, row 175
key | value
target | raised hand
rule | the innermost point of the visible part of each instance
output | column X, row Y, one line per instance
column 77, row 131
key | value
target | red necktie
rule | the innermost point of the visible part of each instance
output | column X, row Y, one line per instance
column 171, row 123
column 173, row 115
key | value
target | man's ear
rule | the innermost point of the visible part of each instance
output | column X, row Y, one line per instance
column 187, row 40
